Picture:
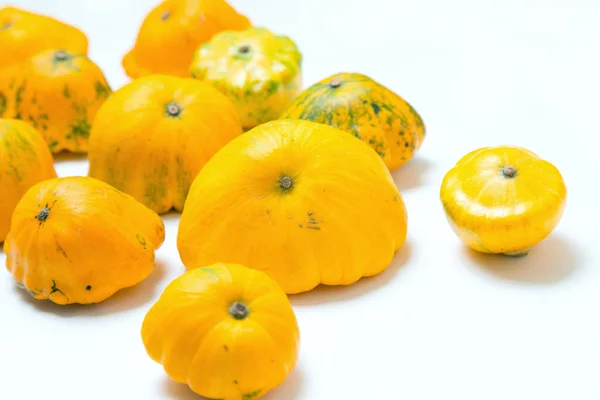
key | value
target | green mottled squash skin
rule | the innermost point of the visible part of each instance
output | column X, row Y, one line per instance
column 260, row 72
column 23, row 34
column 57, row 92
column 359, row 105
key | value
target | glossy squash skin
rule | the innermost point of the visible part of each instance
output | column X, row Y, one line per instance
column 24, row 34
column 503, row 200
column 153, row 135
column 79, row 240
column 258, row 70
column 173, row 30
column 304, row 202
column 225, row 330
column 59, row 93
column 24, row 161
column 363, row 107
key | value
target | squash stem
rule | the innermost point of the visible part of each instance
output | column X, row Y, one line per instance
column 509, row 172
column 61, row 55
column 285, row 184
column 43, row 214
column 173, row 109
column 238, row 310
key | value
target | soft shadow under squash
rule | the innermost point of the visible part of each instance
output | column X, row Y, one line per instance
column 178, row 391
column 412, row 174
column 171, row 217
column 328, row 294
column 290, row 389
column 549, row 262
column 124, row 300
column 68, row 156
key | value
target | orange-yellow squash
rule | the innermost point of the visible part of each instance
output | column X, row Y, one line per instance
column 373, row 113
column 173, row 30
column 258, row 70
column 153, row 135
column 24, row 161
column 225, row 330
column 304, row 202
column 24, row 34
column 59, row 92
column 503, row 200
column 79, row 240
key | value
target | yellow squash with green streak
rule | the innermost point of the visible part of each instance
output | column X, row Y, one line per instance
column 304, row 202
column 24, row 161
column 59, row 92
column 79, row 240
column 357, row 104
column 172, row 31
column 258, row 70
column 154, row 134
column 24, row 34
column 503, row 200
column 225, row 330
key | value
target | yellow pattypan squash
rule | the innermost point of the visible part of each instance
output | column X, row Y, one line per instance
column 153, row 135
column 503, row 200
column 79, row 240
column 258, row 70
column 227, row 331
column 373, row 113
column 24, row 161
column 59, row 92
column 24, row 34
column 304, row 202
column 173, row 30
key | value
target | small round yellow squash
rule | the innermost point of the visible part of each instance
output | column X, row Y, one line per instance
column 225, row 330
column 304, row 202
column 153, row 135
column 79, row 240
column 373, row 113
column 173, row 30
column 59, row 92
column 503, row 200
column 24, row 161
column 258, row 70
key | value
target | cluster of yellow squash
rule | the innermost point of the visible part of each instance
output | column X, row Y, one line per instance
column 277, row 194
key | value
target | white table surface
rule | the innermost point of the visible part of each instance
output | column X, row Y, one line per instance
column 442, row 322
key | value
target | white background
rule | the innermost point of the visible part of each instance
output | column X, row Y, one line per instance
column 441, row 322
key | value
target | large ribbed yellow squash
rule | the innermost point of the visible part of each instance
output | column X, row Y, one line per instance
column 59, row 92
column 79, row 240
column 227, row 331
column 363, row 107
column 258, row 70
column 24, row 161
column 304, row 202
column 153, row 135
column 173, row 30
column 503, row 200
column 24, row 34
